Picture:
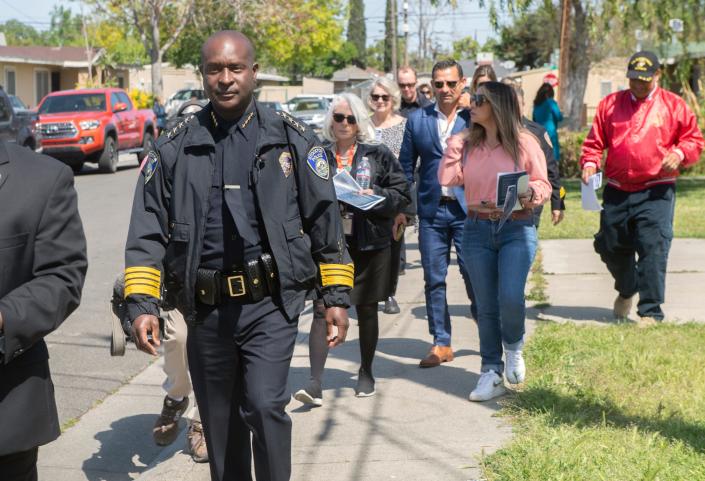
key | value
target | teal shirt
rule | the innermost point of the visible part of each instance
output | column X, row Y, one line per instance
column 548, row 115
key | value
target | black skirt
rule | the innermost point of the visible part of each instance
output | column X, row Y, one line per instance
column 372, row 275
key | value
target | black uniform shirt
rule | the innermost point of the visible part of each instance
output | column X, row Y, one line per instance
column 235, row 143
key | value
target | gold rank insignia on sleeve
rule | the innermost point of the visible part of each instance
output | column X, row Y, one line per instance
column 337, row 275
column 142, row 280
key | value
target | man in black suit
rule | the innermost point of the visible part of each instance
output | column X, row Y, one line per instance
column 42, row 268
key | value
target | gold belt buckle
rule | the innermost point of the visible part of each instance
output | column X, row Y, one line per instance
column 236, row 286
column 495, row 216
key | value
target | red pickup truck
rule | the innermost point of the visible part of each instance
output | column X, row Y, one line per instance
column 94, row 125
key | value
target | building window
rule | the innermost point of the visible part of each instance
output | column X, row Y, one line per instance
column 41, row 84
column 10, row 81
column 605, row 88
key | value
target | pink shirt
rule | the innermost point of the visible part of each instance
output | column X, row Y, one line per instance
column 479, row 171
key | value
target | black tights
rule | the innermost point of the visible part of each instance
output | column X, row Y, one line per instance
column 368, row 319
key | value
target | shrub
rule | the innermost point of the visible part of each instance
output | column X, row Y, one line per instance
column 141, row 99
column 571, row 144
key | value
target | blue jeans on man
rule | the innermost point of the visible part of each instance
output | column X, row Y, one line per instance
column 436, row 236
column 498, row 263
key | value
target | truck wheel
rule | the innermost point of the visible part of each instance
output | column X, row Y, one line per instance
column 108, row 161
column 147, row 146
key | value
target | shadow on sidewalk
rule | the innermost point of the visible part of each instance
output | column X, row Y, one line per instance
column 581, row 313
column 125, row 449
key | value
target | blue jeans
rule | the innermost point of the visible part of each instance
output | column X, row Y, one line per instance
column 499, row 263
column 436, row 236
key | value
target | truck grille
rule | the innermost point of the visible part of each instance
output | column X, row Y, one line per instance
column 58, row 130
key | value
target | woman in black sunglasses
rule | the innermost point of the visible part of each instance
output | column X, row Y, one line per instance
column 352, row 147
column 498, row 255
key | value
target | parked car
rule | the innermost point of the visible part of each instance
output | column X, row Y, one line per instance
column 272, row 105
column 186, row 109
column 17, row 125
column 184, row 95
column 311, row 110
column 94, row 125
column 18, row 105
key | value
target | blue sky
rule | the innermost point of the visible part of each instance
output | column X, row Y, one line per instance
column 447, row 24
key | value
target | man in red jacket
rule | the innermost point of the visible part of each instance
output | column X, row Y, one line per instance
column 649, row 134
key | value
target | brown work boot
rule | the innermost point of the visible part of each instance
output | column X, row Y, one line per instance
column 622, row 307
column 647, row 322
column 436, row 356
column 167, row 426
column 197, row 442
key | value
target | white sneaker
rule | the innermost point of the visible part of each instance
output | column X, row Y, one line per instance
column 490, row 385
column 514, row 369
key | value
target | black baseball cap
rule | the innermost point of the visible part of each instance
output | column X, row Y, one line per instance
column 643, row 65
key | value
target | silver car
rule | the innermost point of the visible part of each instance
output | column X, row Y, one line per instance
column 312, row 111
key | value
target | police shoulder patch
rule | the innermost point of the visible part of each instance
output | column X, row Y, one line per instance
column 318, row 162
column 151, row 162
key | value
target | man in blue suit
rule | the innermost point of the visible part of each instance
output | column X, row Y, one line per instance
column 441, row 210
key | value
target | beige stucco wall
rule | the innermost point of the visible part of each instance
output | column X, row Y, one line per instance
column 279, row 93
column 24, row 81
column 173, row 79
column 610, row 73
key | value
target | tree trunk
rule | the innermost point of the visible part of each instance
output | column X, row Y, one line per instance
column 156, row 57
column 157, row 76
column 579, row 67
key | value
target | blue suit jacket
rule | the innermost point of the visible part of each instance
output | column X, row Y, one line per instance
column 421, row 141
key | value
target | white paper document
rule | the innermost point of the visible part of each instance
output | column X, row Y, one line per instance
column 588, row 192
column 347, row 190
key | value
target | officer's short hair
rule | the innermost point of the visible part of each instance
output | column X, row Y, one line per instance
column 365, row 129
column 388, row 86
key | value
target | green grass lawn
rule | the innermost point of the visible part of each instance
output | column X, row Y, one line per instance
column 612, row 403
column 580, row 224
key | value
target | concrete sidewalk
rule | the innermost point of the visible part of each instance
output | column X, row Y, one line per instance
column 419, row 426
column 581, row 289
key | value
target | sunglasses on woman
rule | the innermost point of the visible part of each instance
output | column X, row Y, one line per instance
column 375, row 97
column 450, row 83
column 478, row 99
column 340, row 117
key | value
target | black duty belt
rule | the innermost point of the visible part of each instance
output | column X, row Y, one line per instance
column 251, row 283
column 446, row 199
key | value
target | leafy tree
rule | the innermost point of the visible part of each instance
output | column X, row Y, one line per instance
column 532, row 37
column 64, row 28
column 158, row 24
column 357, row 34
column 465, row 48
column 19, row 34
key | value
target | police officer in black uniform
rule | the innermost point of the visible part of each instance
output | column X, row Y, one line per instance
column 235, row 218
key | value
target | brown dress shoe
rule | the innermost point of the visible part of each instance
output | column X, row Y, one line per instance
column 436, row 356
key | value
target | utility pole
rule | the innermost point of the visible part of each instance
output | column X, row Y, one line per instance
column 394, row 38
column 405, row 29
column 564, row 62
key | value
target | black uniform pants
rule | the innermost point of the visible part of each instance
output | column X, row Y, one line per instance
column 20, row 466
column 636, row 229
column 239, row 357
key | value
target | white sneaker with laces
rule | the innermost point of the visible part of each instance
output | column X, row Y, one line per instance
column 514, row 369
column 490, row 385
